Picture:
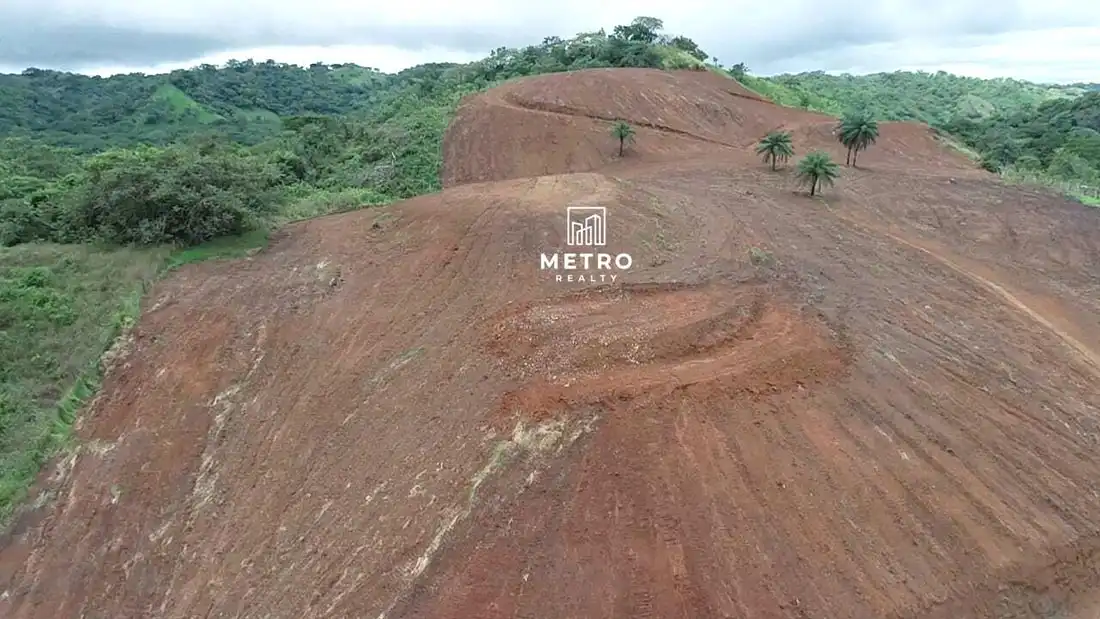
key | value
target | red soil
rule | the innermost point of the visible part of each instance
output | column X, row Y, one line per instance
column 560, row 124
column 397, row 414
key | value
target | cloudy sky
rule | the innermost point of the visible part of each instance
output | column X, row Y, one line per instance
column 1041, row 40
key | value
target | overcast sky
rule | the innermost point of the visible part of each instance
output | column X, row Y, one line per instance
column 1041, row 40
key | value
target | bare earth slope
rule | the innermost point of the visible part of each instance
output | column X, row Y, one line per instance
column 396, row 413
column 559, row 123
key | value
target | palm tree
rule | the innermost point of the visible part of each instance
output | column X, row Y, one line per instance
column 623, row 133
column 841, row 133
column 863, row 135
column 856, row 131
column 817, row 169
column 776, row 146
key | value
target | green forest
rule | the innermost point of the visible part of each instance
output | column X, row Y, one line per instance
column 105, row 183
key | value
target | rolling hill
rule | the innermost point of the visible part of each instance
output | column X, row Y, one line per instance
column 220, row 156
column 780, row 341
column 877, row 403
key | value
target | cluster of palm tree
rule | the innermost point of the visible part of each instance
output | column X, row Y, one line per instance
column 856, row 131
column 816, row 169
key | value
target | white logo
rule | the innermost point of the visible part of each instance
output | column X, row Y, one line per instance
column 586, row 225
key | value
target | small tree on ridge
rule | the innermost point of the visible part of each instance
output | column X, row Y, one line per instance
column 623, row 133
column 775, row 147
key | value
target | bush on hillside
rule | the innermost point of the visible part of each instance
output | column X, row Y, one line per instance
column 176, row 194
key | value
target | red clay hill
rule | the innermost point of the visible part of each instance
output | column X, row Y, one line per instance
column 882, row 402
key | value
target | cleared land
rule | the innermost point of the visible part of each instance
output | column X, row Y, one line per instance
column 891, row 413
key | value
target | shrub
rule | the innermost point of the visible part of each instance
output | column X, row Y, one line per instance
column 155, row 195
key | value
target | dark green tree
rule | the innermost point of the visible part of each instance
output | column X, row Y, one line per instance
column 775, row 147
column 817, row 169
column 856, row 131
column 642, row 30
column 689, row 46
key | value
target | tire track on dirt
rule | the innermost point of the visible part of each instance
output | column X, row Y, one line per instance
column 1083, row 352
column 511, row 101
column 978, row 433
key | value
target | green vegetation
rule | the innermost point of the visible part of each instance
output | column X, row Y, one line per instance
column 817, row 169
column 1028, row 132
column 856, row 131
column 622, row 132
column 1056, row 143
column 932, row 98
column 761, row 258
column 776, row 146
column 106, row 182
column 61, row 307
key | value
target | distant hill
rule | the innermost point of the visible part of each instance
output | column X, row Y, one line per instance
column 933, row 98
column 243, row 99
column 246, row 99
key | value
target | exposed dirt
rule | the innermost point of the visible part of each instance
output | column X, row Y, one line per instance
column 891, row 410
column 559, row 124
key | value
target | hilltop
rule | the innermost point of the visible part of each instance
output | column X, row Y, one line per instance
column 107, row 182
column 875, row 403
column 206, row 162
column 924, row 255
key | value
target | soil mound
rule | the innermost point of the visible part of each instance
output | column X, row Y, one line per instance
column 880, row 403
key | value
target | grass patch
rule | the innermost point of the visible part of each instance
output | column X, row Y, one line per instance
column 761, row 258
column 673, row 58
column 258, row 115
column 183, row 104
column 306, row 202
column 790, row 95
column 775, row 93
column 220, row 249
column 362, row 76
column 61, row 308
column 956, row 145
column 1085, row 194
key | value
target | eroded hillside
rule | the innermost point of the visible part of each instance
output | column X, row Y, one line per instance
column 879, row 403
column 556, row 124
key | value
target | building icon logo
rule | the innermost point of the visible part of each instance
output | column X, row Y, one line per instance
column 584, row 263
column 586, row 225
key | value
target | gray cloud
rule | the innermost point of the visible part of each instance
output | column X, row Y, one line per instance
column 78, row 46
column 75, row 35
column 43, row 44
column 797, row 29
